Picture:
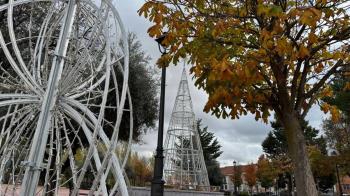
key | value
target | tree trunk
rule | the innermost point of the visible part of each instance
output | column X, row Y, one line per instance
column 305, row 183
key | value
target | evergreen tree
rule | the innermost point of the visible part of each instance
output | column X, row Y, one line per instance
column 340, row 96
column 275, row 144
column 211, row 151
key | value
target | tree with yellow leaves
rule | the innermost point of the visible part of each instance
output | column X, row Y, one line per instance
column 139, row 170
column 250, row 176
column 259, row 56
column 266, row 173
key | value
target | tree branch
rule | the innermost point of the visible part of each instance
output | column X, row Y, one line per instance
column 323, row 80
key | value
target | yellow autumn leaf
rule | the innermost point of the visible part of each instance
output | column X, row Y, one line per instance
column 325, row 107
column 337, row 55
column 278, row 28
column 313, row 38
column 347, row 86
column 328, row 13
column 249, row 98
column 303, row 52
column 335, row 114
column 293, row 12
column 164, row 60
column 310, row 17
column 319, row 68
column 265, row 116
column 265, row 34
column 155, row 30
column 327, row 92
column 257, row 115
column 158, row 18
column 144, row 9
column 282, row 46
column 196, row 70
column 316, row 12
column 226, row 74
column 321, row 1
column 161, row 8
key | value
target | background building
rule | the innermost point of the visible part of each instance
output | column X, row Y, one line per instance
column 228, row 185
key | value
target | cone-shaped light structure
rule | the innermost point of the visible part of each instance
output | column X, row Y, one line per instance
column 184, row 163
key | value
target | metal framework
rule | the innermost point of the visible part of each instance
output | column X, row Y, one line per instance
column 184, row 162
column 61, row 70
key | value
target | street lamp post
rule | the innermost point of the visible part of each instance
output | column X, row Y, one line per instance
column 234, row 177
column 340, row 188
column 157, row 188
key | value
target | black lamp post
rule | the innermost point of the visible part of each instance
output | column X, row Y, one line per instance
column 157, row 188
column 234, row 177
column 340, row 188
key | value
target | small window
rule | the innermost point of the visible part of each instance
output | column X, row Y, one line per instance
column 346, row 186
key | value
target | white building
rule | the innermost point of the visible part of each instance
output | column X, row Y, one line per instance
column 228, row 185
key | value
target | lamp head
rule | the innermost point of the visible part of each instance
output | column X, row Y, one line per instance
column 161, row 38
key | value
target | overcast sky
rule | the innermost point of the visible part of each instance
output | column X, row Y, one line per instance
column 240, row 139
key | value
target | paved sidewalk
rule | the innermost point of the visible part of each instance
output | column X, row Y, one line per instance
column 8, row 190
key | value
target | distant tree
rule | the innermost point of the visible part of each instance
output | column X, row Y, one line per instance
column 236, row 178
column 250, row 176
column 323, row 169
column 143, row 89
column 275, row 144
column 338, row 132
column 340, row 92
column 141, row 84
column 266, row 173
column 211, row 151
column 139, row 170
column 326, row 182
column 281, row 181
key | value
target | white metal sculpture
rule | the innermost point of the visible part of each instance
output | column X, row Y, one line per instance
column 184, row 165
column 62, row 67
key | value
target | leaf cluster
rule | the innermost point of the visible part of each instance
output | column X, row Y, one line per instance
column 259, row 55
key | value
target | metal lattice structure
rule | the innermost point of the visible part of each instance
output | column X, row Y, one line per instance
column 63, row 67
column 184, row 162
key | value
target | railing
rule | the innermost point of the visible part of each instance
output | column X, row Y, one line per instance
column 193, row 187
